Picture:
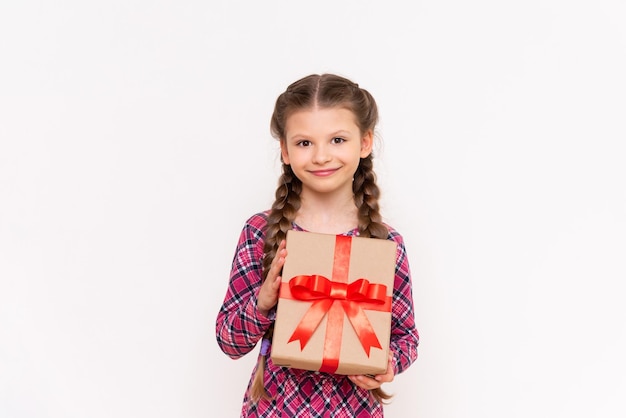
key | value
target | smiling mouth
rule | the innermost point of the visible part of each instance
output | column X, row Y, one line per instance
column 324, row 173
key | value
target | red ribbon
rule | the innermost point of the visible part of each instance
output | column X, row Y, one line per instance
column 337, row 298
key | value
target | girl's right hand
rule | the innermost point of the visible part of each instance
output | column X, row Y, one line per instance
column 268, row 293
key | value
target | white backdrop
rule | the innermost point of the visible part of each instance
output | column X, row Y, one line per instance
column 134, row 142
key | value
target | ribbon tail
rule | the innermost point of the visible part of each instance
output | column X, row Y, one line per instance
column 332, row 343
column 362, row 326
column 310, row 321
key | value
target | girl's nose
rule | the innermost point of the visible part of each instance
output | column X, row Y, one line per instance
column 321, row 154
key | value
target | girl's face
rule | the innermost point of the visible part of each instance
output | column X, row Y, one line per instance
column 323, row 148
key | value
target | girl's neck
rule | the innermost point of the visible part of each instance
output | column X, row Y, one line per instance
column 327, row 215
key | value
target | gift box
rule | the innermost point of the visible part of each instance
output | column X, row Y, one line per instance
column 334, row 307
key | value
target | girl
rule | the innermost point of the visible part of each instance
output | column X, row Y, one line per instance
column 325, row 125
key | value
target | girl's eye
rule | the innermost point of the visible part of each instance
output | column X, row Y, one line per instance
column 303, row 143
column 338, row 140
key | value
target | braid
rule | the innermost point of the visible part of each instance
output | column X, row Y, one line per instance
column 366, row 195
column 279, row 221
column 280, row 218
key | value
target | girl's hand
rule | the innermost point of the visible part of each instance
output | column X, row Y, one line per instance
column 369, row 383
column 268, row 293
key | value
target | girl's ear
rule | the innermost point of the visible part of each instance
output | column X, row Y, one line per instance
column 366, row 144
column 283, row 152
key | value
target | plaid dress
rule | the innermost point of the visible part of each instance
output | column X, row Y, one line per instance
column 295, row 392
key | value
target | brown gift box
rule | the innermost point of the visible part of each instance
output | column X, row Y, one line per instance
column 332, row 286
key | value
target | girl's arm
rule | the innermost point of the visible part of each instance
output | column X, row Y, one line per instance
column 240, row 324
column 404, row 335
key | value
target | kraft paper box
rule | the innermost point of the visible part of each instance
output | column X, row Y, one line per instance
column 334, row 307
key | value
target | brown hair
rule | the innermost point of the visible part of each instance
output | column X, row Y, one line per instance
column 322, row 91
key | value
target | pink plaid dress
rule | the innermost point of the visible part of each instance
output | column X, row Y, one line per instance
column 294, row 392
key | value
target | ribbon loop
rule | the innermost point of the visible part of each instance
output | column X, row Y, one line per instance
column 313, row 287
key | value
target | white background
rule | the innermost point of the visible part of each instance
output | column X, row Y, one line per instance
column 134, row 142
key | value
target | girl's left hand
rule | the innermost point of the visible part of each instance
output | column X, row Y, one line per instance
column 369, row 383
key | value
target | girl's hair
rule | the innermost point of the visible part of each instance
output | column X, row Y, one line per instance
column 320, row 91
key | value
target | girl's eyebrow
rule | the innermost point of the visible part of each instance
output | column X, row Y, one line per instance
column 297, row 136
column 340, row 132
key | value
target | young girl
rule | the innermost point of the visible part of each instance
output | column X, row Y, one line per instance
column 325, row 125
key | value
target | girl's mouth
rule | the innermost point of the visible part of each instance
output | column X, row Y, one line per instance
column 324, row 173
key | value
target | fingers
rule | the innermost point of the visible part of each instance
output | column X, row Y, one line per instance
column 389, row 374
column 365, row 382
column 277, row 262
column 268, row 293
column 369, row 382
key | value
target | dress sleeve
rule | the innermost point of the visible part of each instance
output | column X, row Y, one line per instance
column 404, row 335
column 239, row 325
